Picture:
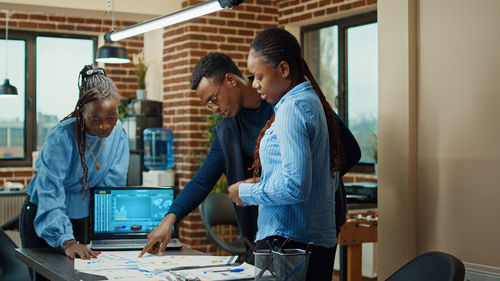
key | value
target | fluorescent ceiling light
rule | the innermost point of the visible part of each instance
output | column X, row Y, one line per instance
column 180, row 16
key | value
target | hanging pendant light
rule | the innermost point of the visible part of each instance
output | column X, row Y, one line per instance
column 6, row 88
column 112, row 52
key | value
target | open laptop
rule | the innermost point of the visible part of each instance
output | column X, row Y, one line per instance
column 122, row 217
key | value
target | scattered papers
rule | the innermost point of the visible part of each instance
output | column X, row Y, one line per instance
column 126, row 265
column 244, row 271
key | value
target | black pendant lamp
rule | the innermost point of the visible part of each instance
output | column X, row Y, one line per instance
column 6, row 88
column 112, row 52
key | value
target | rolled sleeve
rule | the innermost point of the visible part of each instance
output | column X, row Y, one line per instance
column 245, row 193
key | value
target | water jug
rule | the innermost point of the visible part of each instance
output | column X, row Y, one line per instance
column 158, row 148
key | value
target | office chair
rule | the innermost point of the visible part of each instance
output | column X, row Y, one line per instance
column 431, row 266
column 218, row 209
column 11, row 269
column 12, row 224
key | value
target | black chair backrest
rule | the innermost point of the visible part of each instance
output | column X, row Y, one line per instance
column 218, row 209
column 431, row 266
column 11, row 269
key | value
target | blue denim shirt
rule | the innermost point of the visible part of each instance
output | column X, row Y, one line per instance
column 55, row 189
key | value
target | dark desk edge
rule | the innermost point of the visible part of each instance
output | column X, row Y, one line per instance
column 36, row 258
column 36, row 261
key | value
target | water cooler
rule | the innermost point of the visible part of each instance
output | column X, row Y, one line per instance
column 158, row 157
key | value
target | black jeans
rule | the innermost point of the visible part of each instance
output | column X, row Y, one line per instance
column 321, row 259
column 29, row 238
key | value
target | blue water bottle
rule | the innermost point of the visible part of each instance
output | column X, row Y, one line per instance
column 158, row 148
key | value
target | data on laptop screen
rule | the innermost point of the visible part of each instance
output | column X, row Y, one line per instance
column 130, row 210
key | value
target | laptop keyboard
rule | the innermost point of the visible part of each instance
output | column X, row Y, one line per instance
column 122, row 242
column 128, row 244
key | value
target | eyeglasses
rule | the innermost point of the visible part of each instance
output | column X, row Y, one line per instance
column 211, row 105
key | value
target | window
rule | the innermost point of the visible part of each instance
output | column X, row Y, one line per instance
column 12, row 110
column 342, row 56
column 44, row 68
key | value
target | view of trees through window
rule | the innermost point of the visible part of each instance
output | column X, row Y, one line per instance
column 343, row 58
column 49, row 80
column 12, row 112
column 362, row 85
column 57, row 79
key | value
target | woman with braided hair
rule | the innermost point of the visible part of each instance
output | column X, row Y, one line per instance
column 299, row 155
column 87, row 148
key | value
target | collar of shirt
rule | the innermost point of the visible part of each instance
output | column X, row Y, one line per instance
column 297, row 89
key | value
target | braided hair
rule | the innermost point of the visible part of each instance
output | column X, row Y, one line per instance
column 93, row 85
column 275, row 45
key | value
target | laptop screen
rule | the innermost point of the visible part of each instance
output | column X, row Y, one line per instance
column 129, row 210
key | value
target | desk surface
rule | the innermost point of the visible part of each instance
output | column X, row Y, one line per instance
column 54, row 265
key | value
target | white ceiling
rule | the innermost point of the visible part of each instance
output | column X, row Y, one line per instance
column 123, row 9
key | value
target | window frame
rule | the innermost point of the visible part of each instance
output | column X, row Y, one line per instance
column 343, row 97
column 30, row 88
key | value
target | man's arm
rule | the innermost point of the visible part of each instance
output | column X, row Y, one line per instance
column 191, row 197
column 201, row 184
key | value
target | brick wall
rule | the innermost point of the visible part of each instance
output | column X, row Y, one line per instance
column 230, row 32
column 297, row 11
column 184, row 44
column 19, row 175
column 122, row 74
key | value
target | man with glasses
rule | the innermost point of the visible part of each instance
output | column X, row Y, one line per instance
column 220, row 85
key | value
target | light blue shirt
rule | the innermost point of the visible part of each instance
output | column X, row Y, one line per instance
column 55, row 189
column 296, row 195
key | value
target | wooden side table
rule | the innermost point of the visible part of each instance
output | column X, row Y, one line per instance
column 359, row 229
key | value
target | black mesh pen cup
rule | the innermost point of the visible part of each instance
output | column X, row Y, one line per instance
column 290, row 264
column 264, row 270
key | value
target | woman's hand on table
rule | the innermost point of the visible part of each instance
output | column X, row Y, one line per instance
column 73, row 249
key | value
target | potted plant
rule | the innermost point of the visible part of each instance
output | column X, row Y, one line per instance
column 140, row 70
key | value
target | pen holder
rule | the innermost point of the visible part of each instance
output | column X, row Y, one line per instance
column 264, row 265
column 290, row 264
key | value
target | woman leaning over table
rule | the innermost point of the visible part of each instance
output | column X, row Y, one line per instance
column 300, row 153
column 87, row 148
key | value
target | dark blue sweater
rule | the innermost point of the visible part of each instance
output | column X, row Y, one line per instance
column 225, row 156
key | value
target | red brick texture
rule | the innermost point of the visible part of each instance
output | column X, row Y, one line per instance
column 20, row 175
column 296, row 11
column 228, row 31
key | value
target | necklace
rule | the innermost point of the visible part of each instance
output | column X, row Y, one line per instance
column 97, row 166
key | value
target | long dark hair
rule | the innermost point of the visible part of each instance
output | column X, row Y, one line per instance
column 93, row 84
column 276, row 45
